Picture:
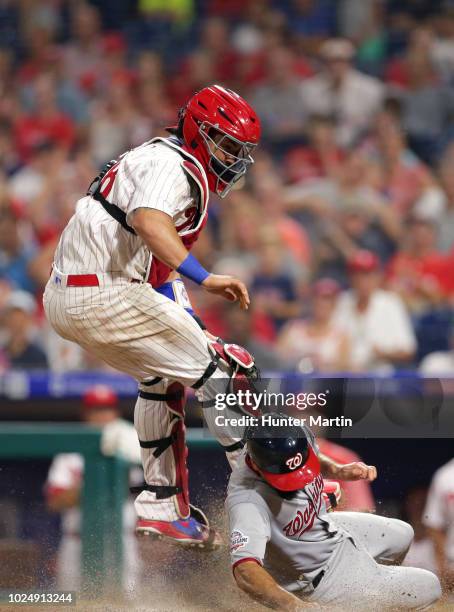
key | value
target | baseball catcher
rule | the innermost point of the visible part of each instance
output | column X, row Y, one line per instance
column 116, row 289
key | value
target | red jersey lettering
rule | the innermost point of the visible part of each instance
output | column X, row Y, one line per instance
column 303, row 521
column 108, row 181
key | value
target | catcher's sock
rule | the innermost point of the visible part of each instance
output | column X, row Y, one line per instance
column 148, row 507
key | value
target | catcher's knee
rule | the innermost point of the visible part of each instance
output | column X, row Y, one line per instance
column 234, row 361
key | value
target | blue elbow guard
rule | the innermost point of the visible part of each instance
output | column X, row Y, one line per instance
column 176, row 291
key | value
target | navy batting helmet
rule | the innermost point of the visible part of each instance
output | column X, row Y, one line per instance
column 282, row 452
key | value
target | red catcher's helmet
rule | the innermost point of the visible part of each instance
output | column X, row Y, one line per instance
column 99, row 396
column 283, row 453
column 218, row 119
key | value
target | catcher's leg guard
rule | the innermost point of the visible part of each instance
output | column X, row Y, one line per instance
column 163, row 503
column 159, row 421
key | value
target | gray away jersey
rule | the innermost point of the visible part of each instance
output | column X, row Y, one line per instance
column 289, row 537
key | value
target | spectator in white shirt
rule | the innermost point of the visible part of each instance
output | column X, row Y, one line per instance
column 315, row 343
column 342, row 92
column 439, row 518
column 376, row 321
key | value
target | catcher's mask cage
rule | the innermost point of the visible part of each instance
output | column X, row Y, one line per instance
column 227, row 174
column 283, row 454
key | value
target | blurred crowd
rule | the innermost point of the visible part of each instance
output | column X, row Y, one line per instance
column 345, row 229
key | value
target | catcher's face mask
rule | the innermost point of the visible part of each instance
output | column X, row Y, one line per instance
column 229, row 158
column 216, row 111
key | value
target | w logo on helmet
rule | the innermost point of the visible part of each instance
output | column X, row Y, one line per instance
column 295, row 461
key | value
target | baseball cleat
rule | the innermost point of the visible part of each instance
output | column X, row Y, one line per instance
column 189, row 532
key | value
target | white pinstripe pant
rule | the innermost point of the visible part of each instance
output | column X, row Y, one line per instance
column 144, row 334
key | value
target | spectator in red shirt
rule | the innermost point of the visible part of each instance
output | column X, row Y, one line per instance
column 423, row 277
column 262, row 32
column 215, row 41
column 320, row 157
column 197, row 71
column 419, row 272
column 45, row 123
column 398, row 71
column 233, row 8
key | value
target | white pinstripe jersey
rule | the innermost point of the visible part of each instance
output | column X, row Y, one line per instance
column 153, row 175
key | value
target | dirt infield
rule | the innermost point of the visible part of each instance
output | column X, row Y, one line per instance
column 174, row 579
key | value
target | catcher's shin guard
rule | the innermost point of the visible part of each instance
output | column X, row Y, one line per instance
column 159, row 420
column 163, row 506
